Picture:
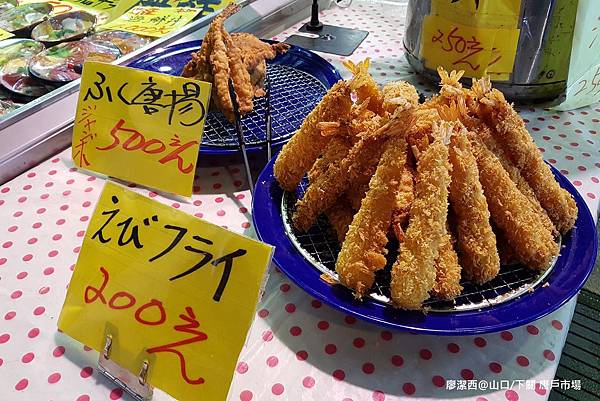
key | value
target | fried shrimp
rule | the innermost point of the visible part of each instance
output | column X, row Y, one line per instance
column 356, row 192
column 337, row 149
column 413, row 273
column 340, row 217
column 476, row 240
column 511, row 132
column 299, row 154
column 447, row 276
column 404, row 199
column 397, row 93
column 485, row 134
column 456, row 180
column 363, row 251
column 365, row 87
column 322, row 194
column 511, row 212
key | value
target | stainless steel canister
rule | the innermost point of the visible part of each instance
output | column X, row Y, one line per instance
column 541, row 62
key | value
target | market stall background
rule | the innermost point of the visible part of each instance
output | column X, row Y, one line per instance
column 298, row 348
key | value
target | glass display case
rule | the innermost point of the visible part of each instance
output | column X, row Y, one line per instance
column 43, row 126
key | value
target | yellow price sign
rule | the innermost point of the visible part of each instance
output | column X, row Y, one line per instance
column 104, row 10
column 205, row 6
column 169, row 288
column 481, row 13
column 140, row 126
column 477, row 51
column 5, row 35
column 153, row 21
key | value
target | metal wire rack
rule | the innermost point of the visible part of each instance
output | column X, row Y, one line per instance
column 320, row 247
column 294, row 93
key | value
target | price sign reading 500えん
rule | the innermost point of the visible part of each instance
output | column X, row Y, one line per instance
column 140, row 126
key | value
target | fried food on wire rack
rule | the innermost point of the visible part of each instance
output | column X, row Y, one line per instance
column 363, row 250
column 413, row 274
column 447, row 277
column 307, row 144
column 476, row 240
column 511, row 132
column 241, row 57
column 534, row 245
column 254, row 53
column 386, row 170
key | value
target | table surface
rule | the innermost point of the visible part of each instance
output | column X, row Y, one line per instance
column 298, row 348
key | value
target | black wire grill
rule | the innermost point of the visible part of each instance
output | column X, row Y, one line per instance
column 294, row 93
column 320, row 247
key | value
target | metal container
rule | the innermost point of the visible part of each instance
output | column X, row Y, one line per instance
column 543, row 49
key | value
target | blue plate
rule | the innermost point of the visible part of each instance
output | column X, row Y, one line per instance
column 570, row 271
column 298, row 79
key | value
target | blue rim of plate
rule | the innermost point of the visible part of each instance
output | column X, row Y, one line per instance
column 171, row 59
column 570, row 272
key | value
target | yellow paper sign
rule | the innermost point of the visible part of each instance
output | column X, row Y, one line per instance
column 104, row 10
column 140, row 126
column 169, row 288
column 205, row 6
column 480, row 13
column 475, row 50
column 153, row 21
column 5, row 35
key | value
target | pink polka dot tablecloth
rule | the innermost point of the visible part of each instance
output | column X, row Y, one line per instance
column 297, row 348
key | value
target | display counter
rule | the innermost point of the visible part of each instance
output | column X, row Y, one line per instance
column 298, row 348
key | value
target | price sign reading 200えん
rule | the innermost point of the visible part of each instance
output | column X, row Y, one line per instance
column 169, row 288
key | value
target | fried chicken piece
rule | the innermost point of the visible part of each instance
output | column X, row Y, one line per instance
column 476, row 240
column 219, row 62
column 240, row 76
column 512, row 134
column 447, row 271
column 340, row 217
column 241, row 57
column 510, row 210
column 413, row 273
column 363, row 251
column 299, row 154
column 255, row 52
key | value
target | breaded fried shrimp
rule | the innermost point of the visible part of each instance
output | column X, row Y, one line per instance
column 485, row 133
column 476, row 240
column 335, row 151
column 363, row 251
column 340, row 217
column 512, row 134
column 404, row 199
column 413, row 273
column 511, row 212
column 447, row 277
column 299, row 154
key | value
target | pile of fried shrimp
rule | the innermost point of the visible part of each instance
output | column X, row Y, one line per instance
column 457, row 180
